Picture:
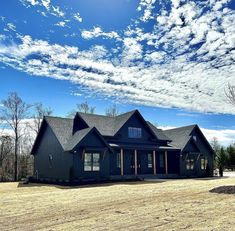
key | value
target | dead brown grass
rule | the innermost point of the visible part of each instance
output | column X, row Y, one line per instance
column 170, row 205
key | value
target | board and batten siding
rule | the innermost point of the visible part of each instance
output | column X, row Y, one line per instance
column 59, row 166
column 91, row 144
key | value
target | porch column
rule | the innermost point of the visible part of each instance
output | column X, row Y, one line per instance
column 135, row 162
column 166, row 165
column 121, row 153
column 154, row 162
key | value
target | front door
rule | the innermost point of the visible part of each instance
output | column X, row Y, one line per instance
column 133, row 163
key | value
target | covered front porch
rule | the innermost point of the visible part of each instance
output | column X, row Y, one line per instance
column 142, row 161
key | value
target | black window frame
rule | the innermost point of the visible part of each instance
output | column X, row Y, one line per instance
column 161, row 160
column 190, row 163
column 93, row 164
column 134, row 132
column 118, row 162
column 150, row 160
column 205, row 162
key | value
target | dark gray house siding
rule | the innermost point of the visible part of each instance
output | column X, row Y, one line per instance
column 50, row 161
column 91, row 144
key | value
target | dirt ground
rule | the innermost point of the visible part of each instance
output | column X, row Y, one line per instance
column 161, row 205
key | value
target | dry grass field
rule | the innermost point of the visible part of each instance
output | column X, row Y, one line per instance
column 169, row 205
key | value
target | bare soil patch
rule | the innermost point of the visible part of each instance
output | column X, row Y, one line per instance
column 224, row 189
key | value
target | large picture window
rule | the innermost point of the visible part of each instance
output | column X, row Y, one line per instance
column 150, row 160
column 91, row 161
column 134, row 132
column 190, row 163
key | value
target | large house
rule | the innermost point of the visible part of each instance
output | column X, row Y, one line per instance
column 97, row 147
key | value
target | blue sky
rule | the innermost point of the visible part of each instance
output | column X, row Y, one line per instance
column 169, row 59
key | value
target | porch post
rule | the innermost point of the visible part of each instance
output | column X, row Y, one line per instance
column 154, row 162
column 135, row 162
column 121, row 161
column 166, row 165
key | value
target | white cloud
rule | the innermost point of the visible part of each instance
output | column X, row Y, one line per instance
column 165, row 85
column 11, row 26
column 61, row 24
column 147, row 7
column 98, row 32
column 49, row 8
column 46, row 4
column 56, row 11
column 78, row 17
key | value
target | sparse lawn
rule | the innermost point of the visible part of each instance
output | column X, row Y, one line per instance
column 170, row 205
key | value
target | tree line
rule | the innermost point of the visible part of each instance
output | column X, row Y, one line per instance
column 224, row 156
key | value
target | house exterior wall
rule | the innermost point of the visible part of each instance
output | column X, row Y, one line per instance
column 197, row 149
column 91, row 144
column 134, row 121
column 58, row 167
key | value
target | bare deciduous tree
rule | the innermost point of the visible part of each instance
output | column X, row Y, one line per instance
column 112, row 111
column 13, row 112
column 40, row 111
column 82, row 107
column 230, row 94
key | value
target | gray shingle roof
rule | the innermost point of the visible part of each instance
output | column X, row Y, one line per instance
column 180, row 136
column 106, row 125
column 158, row 132
column 62, row 128
column 76, row 138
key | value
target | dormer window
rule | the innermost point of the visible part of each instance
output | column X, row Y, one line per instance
column 134, row 132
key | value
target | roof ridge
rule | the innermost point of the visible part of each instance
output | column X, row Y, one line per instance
column 192, row 125
column 57, row 117
column 96, row 115
column 129, row 112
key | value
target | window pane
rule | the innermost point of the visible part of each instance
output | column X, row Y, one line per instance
column 87, row 162
column 118, row 160
column 134, row 132
column 96, row 161
column 190, row 163
column 203, row 163
column 161, row 161
column 150, row 160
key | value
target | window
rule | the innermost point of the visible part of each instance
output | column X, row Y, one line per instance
column 189, row 163
column 203, row 167
column 161, row 162
column 150, row 160
column 204, row 162
column 92, row 162
column 118, row 160
column 194, row 138
column 134, row 132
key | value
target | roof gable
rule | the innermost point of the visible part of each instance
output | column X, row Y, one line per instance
column 80, row 135
column 180, row 136
column 191, row 146
column 124, row 118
